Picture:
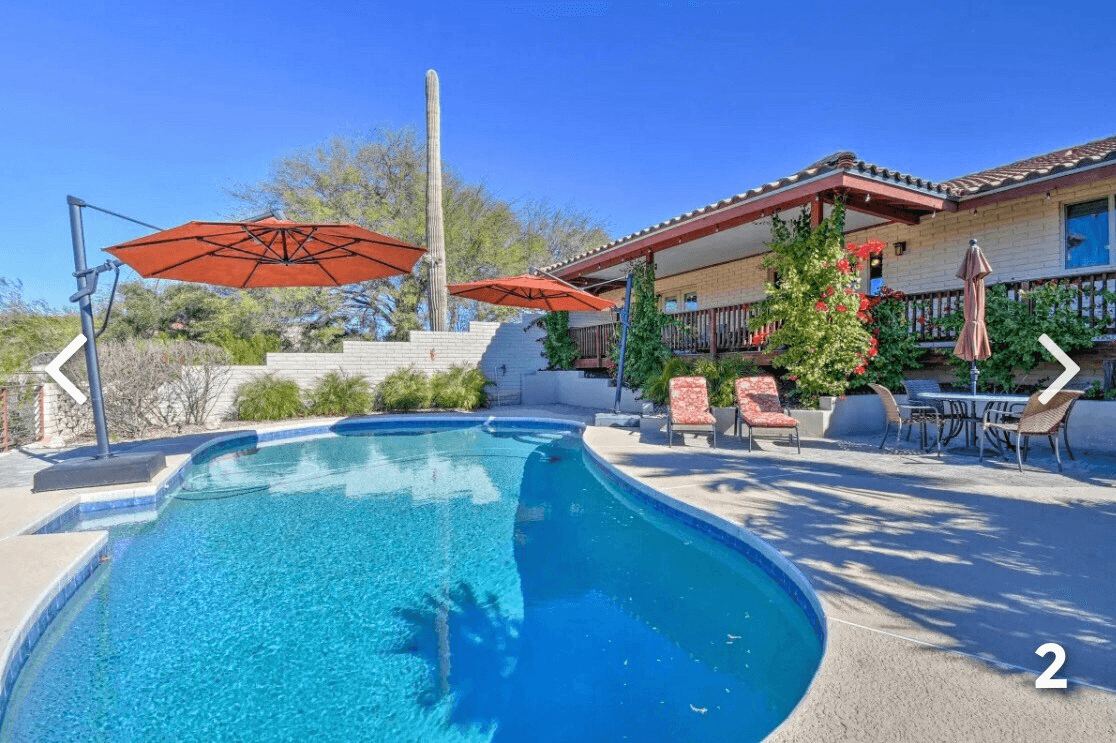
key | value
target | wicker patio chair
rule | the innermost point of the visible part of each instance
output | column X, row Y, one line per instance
column 955, row 417
column 689, row 410
column 921, row 414
column 1036, row 419
column 758, row 406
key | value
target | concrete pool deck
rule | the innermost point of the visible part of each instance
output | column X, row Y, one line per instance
column 939, row 578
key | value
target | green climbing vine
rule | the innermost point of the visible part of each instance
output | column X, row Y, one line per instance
column 558, row 347
column 646, row 350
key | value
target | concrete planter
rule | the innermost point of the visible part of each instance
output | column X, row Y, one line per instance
column 574, row 388
column 1091, row 426
column 852, row 415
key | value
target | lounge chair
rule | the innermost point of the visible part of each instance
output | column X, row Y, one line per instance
column 921, row 414
column 689, row 410
column 1036, row 419
column 758, row 406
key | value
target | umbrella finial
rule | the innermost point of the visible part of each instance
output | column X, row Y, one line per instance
column 972, row 242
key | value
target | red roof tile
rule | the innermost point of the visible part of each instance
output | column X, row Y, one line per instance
column 1034, row 167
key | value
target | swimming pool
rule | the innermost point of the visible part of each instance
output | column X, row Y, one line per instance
column 444, row 581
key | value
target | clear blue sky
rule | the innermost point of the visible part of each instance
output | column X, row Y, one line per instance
column 634, row 112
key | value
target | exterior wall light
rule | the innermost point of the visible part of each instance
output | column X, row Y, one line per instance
column 900, row 248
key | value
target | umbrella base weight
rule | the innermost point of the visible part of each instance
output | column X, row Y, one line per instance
column 90, row 473
column 619, row 420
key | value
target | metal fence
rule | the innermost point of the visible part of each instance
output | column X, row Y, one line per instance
column 22, row 412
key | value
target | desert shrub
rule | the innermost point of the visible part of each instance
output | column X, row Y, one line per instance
column 404, row 389
column 461, row 386
column 720, row 377
column 135, row 378
column 340, row 394
column 201, row 374
column 267, row 398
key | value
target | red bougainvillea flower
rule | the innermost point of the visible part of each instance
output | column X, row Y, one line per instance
column 872, row 352
column 841, row 308
column 849, row 290
column 874, row 246
column 863, row 303
column 830, row 291
column 821, row 306
column 843, row 265
column 792, row 377
column 860, row 369
column 862, row 316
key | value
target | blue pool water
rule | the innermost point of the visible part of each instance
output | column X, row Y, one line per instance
column 423, row 585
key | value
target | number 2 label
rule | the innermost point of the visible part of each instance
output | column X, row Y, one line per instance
column 1047, row 680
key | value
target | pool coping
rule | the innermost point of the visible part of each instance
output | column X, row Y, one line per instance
column 18, row 646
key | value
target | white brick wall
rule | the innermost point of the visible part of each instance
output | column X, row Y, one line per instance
column 502, row 351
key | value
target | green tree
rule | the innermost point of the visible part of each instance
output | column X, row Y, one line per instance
column 29, row 328
column 815, row 305
column 378, row 181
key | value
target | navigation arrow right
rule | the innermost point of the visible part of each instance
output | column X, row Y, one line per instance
column 1064, row 378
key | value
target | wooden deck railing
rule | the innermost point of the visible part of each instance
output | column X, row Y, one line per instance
column 926, row 309
column 733, row 330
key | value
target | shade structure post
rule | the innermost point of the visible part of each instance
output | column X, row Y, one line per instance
column 974, row 372
column 85, row 309
column 625, row 315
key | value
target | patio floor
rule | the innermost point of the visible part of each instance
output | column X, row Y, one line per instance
column 939, row 578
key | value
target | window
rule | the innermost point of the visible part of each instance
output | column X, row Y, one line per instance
column 689, row 301
column 670, row 304
column 875, row 274
column 1089, row 228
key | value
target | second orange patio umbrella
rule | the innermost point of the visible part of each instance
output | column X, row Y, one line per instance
column 532, row 292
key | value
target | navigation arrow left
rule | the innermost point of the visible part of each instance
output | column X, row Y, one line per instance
column 54, row 369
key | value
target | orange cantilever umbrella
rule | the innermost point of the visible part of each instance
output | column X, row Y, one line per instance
column 532, row 292
column 268, row 253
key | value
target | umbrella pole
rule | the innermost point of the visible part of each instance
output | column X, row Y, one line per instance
column 624, row 316
column 973, row 374
column 85, row 306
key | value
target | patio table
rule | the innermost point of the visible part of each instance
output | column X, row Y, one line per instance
column 973, row 419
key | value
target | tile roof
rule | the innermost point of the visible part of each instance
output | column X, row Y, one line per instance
column 838, row 161
column 957, row 188
column 1034, row 167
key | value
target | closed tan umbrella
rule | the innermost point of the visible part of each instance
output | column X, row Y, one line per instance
column 972, row 344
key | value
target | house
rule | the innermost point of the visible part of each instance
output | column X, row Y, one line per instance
column 1049, row 216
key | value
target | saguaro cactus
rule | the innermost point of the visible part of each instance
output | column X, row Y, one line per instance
column 435, row 237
